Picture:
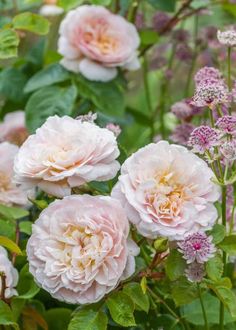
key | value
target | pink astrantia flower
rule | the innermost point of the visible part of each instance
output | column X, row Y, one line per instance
column 227, row 38
column 167, row 190
column 210, row 93
column 182, row 133
column 197, row 247
column 228, row 150
column 79, row 250
column 195, row 272
column 94, row 42
column 13, row 129
column 66, row 153
column 203, row 138
column 10, row 273
column 114, row 129
column 89, row 117
column 10, row 193
column 207, row 73
column 181, row 109
column 227, row 124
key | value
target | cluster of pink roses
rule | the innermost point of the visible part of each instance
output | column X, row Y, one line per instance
column 80, row 249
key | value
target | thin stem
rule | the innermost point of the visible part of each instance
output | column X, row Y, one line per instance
column 148, row 94
column 190, row 73
column 3, row 286
column 223, row 205
column 229, row 67
column 133, row 11
column 229, row 72
column 17, row 240
column 202, row 306
column 211, row 118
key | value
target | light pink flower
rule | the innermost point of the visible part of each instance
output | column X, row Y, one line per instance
column 13, row 129
column 66, row 153
column 79, row 250
column 167, row 190
column 10, row 194
column 10, row 273
column 50, row 10
column 94, row 42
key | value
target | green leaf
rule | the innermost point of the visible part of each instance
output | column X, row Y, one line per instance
column 88, row 319
column 9, row 42
column 140, row 118
column 215, row 267
column 227, row 296
column 161, row 244
column 58, row 318
column 193, row 312
column 148, row 37
column 167, row 5
column 108, row 97
column 26, row 227
column 175, row 265
column 17, row 305
column 13, row 212
column 49, row 101
column 7, row 229
column 143, row 284
column 167, row 322
column 12, row 81
column 229, row 244
column 52, row 74
column 10, row 245
column 26, row 287
column 218, row 233
column 101, row 2
column 31, row 22
column 183, row 292
column 121, row 308
column 69, row 4
column 140, row 299
column 6, row 316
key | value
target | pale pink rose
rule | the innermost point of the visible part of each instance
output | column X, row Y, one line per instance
column 10, row 194
column 66, row 153
column 94, row 42
column 10, row 273
column 13, row 129
column 167, row 190
column 79, row 249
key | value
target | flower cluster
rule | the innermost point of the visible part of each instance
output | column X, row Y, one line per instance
column 203, row 138
column 227, row 38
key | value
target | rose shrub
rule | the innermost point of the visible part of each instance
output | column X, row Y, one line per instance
column 118, row 165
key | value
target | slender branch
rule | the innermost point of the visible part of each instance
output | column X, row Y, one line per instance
column 17, row 240
column 3, row 286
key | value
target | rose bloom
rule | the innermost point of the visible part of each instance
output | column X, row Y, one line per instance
column 66, row 153
column 94, row 42
column 13, row 129
column 10, row 194
column 79, row 250
column 167, row 190
column 10, row 273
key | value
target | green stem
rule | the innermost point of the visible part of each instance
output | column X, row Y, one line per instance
column 223, row 205
column 202, row 306
column 192, row 67
column 229, row 72
column 211, row 118
column 148, row 95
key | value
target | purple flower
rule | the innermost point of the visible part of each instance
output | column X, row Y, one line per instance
column 197, row 247
column 139, row 21
column 180, row 35
column 160, row 20
column 227, row 124
column 182, row 133
column 227, row 38
column 207, row 73
column 183, row 52
column 181, row 110
column 195, row 272
column 228, row 150
column 89, row 117
column 115, row 129
column 203, row 138
column 210, row 93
